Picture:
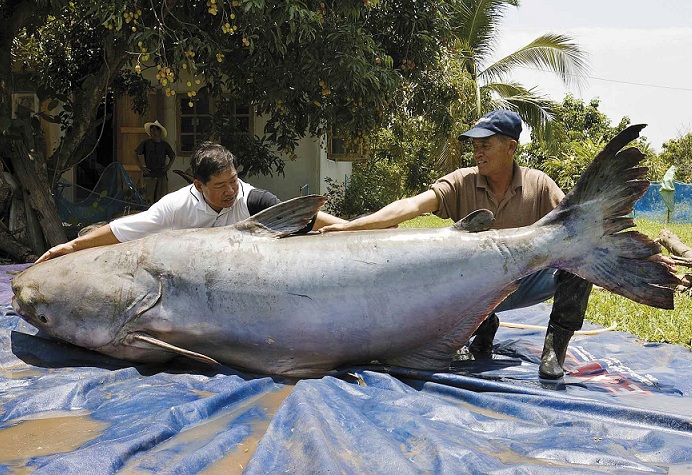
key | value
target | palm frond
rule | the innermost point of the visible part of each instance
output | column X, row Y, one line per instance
column 447, row 158
column 474, row 23
column 550, row 52
column 534, row 108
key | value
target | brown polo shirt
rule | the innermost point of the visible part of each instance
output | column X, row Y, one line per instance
column 531, row 195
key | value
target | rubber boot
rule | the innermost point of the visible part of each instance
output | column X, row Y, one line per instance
column 482, row 344
column 554, row 352
column 567, row 316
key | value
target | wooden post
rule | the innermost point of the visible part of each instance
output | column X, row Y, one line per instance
column 674, row 245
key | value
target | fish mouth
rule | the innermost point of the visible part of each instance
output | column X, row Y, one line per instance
column 16, row 306
column 27, row 313
column 23, row 313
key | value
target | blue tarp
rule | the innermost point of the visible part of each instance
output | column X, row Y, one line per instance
column 625, row 407
column 651, row 206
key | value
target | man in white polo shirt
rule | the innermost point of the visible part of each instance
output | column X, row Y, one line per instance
column 217, row 197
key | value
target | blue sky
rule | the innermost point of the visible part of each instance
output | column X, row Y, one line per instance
column 640, row 57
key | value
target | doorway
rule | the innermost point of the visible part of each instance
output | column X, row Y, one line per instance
column 100, row 141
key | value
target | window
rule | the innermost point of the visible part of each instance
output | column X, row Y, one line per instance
column 241, row 113
column 341, row 149
column 24, row 105
column 196, row 121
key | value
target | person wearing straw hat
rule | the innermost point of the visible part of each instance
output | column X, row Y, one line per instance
column 155, row 151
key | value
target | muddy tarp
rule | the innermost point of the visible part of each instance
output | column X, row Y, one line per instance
column 625, row 407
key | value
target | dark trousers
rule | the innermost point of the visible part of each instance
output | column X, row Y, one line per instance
column 570, row 293
column 155, row 187
column 570, row 301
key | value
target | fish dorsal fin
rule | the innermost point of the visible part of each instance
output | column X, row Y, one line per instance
column 284, row 218
column 144, row 338
column 475, row 222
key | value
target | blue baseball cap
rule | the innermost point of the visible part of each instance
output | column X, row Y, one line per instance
column 496, row 122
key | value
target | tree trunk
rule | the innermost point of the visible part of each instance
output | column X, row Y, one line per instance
column 17, row 251
column 674, row 245
column 26, row 167
column 31, row 172
column 34, row 235
column 682, row 256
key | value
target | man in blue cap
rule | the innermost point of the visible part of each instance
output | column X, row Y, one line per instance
column 518, row 196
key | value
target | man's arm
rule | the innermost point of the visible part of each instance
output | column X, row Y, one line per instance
column 170, row 153
column 139, row 158
column 392, row 214
column 141, row 164
column 99, row 237
column 325, row 219
column 259, row 200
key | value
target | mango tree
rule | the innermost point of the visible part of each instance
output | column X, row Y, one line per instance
column 305, row 65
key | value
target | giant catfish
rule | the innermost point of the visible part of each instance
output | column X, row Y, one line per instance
column 253, row 297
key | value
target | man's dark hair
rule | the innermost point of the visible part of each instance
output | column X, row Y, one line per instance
column 210, row 158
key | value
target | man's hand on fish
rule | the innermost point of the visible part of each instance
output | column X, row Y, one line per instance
column 55, row 251
column 670, row 263
column 102, row 236
column 338, row 227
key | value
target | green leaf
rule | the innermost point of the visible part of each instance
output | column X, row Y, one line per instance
column 52, row 119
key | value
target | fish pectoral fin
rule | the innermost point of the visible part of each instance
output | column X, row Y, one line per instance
column 143, row 337
column 283, row 218
column 475, row 222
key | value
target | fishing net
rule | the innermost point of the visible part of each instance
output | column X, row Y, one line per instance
column 113, row 195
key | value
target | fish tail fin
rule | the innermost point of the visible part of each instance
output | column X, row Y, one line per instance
column 598, row 206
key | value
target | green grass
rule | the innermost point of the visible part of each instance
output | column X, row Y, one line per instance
column 650, row 324
column 427, row 221
column 605, row 308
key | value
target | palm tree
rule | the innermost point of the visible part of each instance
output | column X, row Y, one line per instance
column 462, row 83
column 476, row 26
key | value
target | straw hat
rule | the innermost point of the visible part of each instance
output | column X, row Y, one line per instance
column 156, row 123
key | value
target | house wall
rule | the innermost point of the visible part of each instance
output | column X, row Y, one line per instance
column 337, row 171
column 304, row 175
column 182, row 161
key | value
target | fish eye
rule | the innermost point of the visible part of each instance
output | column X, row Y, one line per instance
column 43, row 318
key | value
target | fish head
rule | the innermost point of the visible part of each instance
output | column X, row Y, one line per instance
column 45, row 300
column 82, row 302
